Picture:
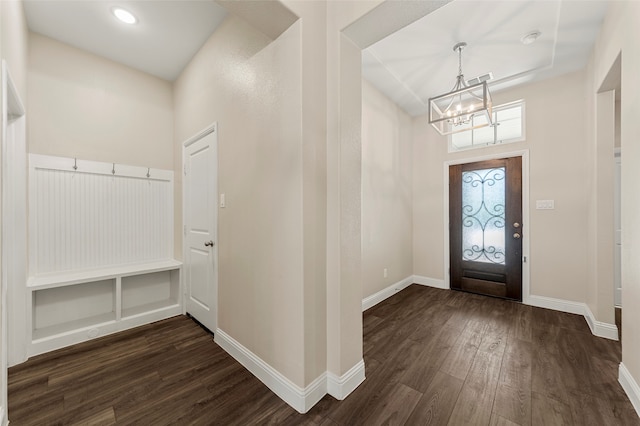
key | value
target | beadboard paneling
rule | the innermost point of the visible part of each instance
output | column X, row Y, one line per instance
column 91, row 218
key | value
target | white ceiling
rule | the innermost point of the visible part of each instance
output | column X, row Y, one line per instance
column 166, row 37
column 409, row 66
column 418, row 62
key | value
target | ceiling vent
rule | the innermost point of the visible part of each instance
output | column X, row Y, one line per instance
column 485, row 77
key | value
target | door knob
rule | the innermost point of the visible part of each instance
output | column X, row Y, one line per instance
column 516, row 225
column 516, row 235
column 209, row 244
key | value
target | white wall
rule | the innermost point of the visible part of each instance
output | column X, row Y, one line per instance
column 558, row 166
column 251, row 86
column 85, row 106
column 619, row 33
column 313, row 16
column 344, row 189
column 14, row 38
column 618, row 112
column 387, row 193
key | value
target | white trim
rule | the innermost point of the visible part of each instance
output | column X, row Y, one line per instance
column 385, row 293
column 201, row 134
column 630, row 386
column 430, row 282
column 65, row 278
column 600, row 329
column 298, row 398
column 556, row 304
column 340, row 387
column 525, row 213
column 13, row 303
column 50, row 162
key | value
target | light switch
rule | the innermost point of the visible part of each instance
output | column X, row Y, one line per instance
column 222, row 202
column 545, row 204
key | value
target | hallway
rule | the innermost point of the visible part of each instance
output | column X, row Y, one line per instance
column 432, row 357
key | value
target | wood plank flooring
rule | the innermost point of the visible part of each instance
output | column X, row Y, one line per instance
column 433, row 357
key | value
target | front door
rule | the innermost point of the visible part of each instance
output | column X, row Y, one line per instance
column 485, row 219
column 200, row 195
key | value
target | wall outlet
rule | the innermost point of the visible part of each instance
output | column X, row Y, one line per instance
column 385, row 272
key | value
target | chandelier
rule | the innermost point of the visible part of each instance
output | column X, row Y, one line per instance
column 464, row 107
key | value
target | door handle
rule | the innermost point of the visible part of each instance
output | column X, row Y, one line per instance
column 516, row 236
column 209, row 244
column 516, row 225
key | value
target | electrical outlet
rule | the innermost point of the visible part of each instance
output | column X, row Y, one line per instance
column 385, row 272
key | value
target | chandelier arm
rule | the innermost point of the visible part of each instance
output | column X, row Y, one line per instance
column 480, row 98
column 449, row 106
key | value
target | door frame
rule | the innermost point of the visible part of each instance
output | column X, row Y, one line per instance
column 14, row 263
column 211, row 128
column 524, row 154
column 617, row 205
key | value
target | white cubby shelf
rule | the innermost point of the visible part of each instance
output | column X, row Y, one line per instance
column 76, row 306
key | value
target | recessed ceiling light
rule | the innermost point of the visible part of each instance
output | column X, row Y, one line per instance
column 124, row 15
column 530, row 37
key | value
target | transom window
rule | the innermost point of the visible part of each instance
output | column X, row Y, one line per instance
column 508, row 126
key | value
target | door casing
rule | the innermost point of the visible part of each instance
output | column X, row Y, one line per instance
column 525, row 213
column 617, row 281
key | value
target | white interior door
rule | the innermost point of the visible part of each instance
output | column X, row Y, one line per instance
column 201, row 218
column 618, row 235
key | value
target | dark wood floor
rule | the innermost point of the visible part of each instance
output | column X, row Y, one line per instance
column 432, row 357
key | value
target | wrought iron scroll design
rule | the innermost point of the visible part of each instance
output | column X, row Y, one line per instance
column 484, row 221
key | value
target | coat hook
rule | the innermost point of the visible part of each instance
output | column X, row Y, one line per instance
column 75, row 164
column 148, row 172
column 113, row 169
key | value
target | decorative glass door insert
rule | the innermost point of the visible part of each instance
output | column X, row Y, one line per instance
column 483, row 215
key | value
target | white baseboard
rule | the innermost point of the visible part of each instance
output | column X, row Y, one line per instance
column 630, row 387
column 298, row 398
column 430, row 282
column 600, row 329
column 556, row 304
column 385, row 293
column 340, row 387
